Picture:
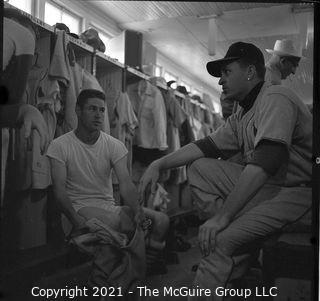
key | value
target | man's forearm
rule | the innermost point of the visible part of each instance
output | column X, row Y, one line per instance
column 65, row 205
column 130, row 196
column 183, row 156
column 251, row 180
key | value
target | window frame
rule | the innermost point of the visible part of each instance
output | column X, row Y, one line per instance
column 171, row 75
column 63, row 9
column 196, row 92
column 160, row 68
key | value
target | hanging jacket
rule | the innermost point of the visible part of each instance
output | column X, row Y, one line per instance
column 42, row 91
column 149, row 106
column 73, row 78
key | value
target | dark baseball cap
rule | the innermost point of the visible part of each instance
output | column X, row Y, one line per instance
column 236, row 51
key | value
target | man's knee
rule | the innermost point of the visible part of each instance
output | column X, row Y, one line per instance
column 224, row 244
column 196, row 168
column 160, row 220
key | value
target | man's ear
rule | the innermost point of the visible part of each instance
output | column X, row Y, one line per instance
column 251, row 71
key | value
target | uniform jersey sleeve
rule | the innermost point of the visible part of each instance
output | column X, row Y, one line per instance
column 208, row 148
column 56, row 151
column 270, row 155
column 225, row 137
column 276, row 119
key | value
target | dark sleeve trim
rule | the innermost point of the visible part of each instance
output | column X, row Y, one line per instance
column 208, row 147
column 270, row 155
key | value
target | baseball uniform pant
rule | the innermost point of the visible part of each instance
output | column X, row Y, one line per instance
column 271, row 209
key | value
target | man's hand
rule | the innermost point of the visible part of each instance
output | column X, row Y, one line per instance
column 150, row 176
column 31, row 118
column 208, row 232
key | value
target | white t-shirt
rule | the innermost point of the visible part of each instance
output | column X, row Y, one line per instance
column 89, row 181
column 17, row 40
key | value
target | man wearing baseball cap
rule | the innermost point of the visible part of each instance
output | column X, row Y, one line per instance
column 242, row 205
column 283, row 62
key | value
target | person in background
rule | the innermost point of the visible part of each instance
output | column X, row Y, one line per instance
column 243, row 205
column 81, row 165
column 283, row 62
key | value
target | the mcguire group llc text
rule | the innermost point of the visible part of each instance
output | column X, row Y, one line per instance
column 206, row 292
column 145, row 291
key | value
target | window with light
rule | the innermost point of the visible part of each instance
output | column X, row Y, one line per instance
column 56, row 14
column 196, row 92
column 157, row 70
column 25, row 5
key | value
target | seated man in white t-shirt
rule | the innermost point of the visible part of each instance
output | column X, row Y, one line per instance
column 82, row 161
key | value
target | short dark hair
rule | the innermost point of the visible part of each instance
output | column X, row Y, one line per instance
column 260, row 68
column 89, row 93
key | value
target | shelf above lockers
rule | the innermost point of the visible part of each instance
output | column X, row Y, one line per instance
column 179, row 94
column 132, row 75
column 83, row 53
column 134, row 72
column 162, row 86
column 81, row 46
column 104, row 60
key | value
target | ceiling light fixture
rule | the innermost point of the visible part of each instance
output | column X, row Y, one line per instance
column 213, row 16
column 212, row 36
